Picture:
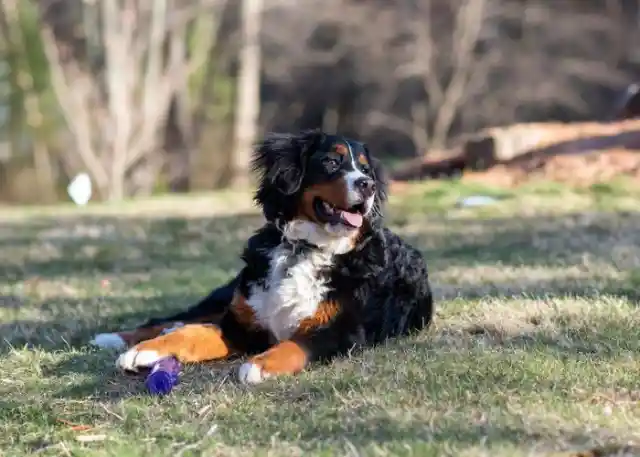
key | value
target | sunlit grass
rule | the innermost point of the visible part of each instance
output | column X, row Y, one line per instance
column 534, row 348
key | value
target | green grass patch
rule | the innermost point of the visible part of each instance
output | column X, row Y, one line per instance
column 534, row 349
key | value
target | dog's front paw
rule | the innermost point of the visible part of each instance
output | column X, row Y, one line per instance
column 252, row 373
column 285, row 358
column 136, row 358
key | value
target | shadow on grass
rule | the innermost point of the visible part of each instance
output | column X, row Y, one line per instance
column 384, row 431
column 68, row 323
column 94, row 376
column 549, row 240
column 320, row 410
column 452, row 357
column 83, row 246
column 584, row 288
column 133, row 245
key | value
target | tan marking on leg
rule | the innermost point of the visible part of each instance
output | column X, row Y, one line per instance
column 189, row 344
column 287, row 357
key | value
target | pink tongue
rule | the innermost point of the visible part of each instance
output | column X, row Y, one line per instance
column 353, row 219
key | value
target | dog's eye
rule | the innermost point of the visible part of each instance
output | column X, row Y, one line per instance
column 331, row 165
column 366, row 169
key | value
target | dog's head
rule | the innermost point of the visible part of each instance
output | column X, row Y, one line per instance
column 327, row 186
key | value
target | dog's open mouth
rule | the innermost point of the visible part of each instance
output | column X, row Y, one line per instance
column 328, row 213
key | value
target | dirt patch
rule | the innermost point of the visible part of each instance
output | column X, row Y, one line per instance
column 578, row 170
column 574, row 153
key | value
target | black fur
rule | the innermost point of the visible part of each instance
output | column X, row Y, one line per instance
column 285, row 165
column 381, row 286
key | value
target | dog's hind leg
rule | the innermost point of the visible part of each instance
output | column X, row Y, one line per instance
column 189, row 344
column 209, row 310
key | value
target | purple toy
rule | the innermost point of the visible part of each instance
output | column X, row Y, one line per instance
column 164, row 376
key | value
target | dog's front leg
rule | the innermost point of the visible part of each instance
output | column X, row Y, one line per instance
column 287, row 357
column 308, row 345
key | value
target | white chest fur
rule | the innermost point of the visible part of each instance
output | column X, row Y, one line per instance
column 293, row 289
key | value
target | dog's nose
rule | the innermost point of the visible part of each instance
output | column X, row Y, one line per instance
column 366, row 186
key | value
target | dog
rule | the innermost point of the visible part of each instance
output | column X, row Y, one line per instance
column 321, row 276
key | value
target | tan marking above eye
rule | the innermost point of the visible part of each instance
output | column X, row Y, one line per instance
column 362, row 160
column 340, row 149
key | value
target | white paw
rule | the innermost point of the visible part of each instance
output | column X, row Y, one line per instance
column 108, row 341
column 250, row 373
column 133, row 359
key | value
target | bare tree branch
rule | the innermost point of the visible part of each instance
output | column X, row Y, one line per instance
column 73, row 98
column 248, row 99
column 468, row 25
column 116, row 113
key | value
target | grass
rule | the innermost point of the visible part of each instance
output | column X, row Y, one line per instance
column 535, row 346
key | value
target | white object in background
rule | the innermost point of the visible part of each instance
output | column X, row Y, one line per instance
column 79, row 189
column 476, row 200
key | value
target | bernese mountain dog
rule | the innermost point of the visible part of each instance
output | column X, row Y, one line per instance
column 320, row 277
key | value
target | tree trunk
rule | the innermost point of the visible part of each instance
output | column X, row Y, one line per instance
column 248, row 92
column 178, row 150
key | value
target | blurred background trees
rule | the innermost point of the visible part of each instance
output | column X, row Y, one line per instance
column 168, row 95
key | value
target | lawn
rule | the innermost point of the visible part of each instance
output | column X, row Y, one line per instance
column 534, row 349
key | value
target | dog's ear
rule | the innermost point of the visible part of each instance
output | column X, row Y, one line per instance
column 379, row 175
column 280, row 160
